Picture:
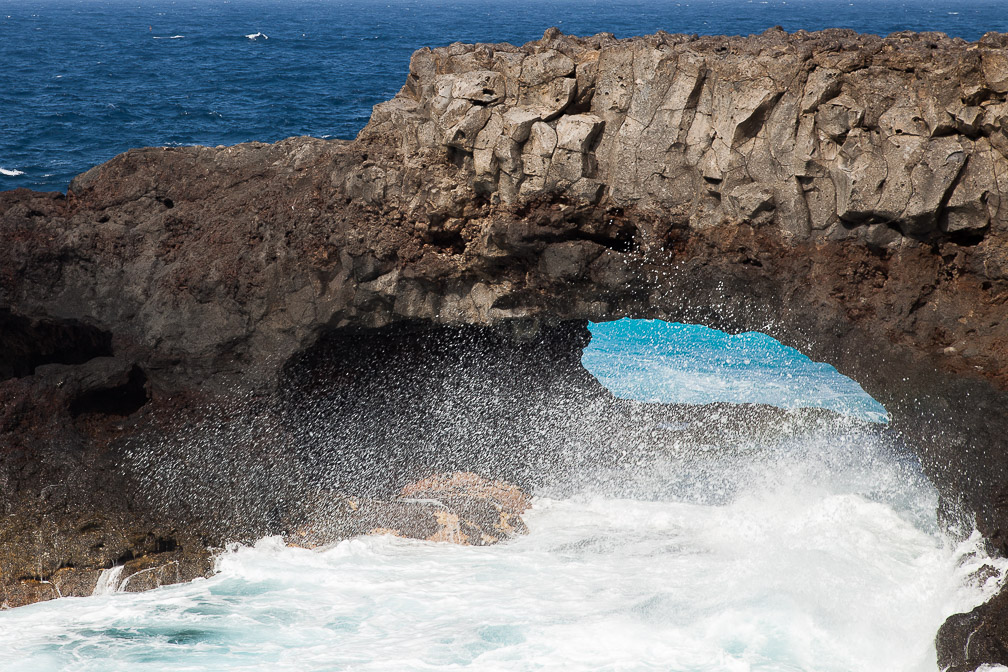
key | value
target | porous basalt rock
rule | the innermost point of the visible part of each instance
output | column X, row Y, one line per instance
column 844, row 193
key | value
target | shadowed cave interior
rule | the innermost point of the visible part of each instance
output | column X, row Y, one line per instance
column 364, row 412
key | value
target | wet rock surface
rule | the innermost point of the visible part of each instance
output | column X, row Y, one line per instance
column 968, row 641
column 51, row 549
column 843, row 193
column 460, row 508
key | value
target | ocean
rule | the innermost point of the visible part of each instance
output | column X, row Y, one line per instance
column 825, row 554
column 814, row 547
column 654, row 361
column 83, row 80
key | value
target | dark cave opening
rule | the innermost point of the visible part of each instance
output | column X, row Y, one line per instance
column 384, row 407
column 26, row 343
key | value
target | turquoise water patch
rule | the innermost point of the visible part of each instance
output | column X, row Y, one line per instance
column 657, row 361
column 503, row 635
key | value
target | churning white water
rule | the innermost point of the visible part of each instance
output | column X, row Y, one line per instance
column 776, row 580
column 816, row 552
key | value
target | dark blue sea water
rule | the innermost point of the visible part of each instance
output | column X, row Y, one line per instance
column 82, row 80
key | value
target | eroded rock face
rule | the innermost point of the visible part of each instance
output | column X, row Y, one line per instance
column 825, row 157
column 843, row 193
column 809, row 132
column 968, row 641
column 51, row 547
column 108, row 496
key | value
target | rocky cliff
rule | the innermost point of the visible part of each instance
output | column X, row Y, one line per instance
column 846, row 194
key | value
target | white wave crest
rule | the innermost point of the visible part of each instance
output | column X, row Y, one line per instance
column 11, row 173
column 168, row 37
column 256, row 36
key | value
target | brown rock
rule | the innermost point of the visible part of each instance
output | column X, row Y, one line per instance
column 968, row 641
column 467, row 485
column 459, row 508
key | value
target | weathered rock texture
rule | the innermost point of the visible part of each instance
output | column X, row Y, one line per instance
column 460, row 508
column 807, row 133
column 847, row 194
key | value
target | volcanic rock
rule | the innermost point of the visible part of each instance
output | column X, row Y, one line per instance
column 843, row 193
column 968, row 641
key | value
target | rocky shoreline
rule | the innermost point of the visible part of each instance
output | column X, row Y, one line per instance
column 196, row 313
column 460, row 508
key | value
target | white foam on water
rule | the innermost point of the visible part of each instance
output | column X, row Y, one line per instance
column 255, row 36
column 168, row 37
column 11, row 172
column 817, row 552
column 792, row 574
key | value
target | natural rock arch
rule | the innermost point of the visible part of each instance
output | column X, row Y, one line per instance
column 845, row 194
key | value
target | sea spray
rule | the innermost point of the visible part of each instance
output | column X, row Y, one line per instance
column 718, row 537
column 108, row 581
column 834, row 584
column 819, row 553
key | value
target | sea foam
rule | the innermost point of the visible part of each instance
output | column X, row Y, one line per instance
column 810, row 566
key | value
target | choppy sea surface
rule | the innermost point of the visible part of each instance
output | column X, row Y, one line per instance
column 826, row 556
column 83, row 80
